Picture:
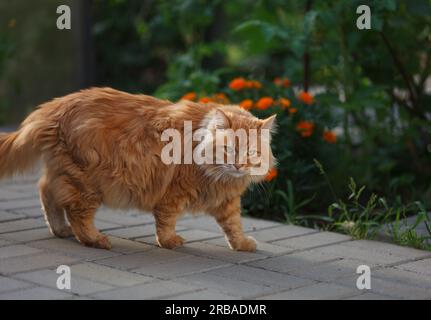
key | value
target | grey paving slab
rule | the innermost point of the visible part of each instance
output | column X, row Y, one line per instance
column 137, row 260
column 180, row 266
column 33, row 262
column 154, row 290
column 203, row 295
column 225, row 285
column 71, row 247
column 103, row 274
column 208, row 223
column 28, row 235
column 422, row 267
column 7, row 195
column 318, row 291
column 16, row 251
column 134, row 232
column 371, row 296
column 260, row 277
column 18, row 225
column 8, row 216
column 38, row 293
column 189, row 235
column 313, row 240
column 9, row 284
column 329, row 271
column 48, row 278
column 294, row 261
column 33, row 212
column 404, row 277
column 263, row 248
column 124, row 218
column 280, row 232
column 382, row 253
column 217, row 252
column 128, row 246
column 4, row 243
column 391, row 287
column 20, row 203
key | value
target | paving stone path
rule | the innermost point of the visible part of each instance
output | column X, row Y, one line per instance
column 291, row 262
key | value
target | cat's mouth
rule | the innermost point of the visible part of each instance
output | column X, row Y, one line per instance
column 237, row 172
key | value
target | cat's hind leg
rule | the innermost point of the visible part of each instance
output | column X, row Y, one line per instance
column 54, row 213
column 80, row 205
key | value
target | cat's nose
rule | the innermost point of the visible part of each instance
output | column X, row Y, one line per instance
column 237, row 166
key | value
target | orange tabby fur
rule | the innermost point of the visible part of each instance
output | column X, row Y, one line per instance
column 102, row 146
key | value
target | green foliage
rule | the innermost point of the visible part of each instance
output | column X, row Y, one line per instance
column 6, row 51
column 370, row 218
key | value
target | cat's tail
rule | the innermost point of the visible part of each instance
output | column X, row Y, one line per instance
column 21, row 149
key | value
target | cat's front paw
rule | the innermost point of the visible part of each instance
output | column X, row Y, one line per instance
column 171, row 243
column 245, row 244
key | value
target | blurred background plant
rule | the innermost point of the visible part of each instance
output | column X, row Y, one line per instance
column 370, row 113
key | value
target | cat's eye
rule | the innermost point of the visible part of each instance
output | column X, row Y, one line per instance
column 252, row 152
column 229, row 150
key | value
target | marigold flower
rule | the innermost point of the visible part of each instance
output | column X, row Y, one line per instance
column 246, row 104
column 238, row 84
column 278, row 81
column 272, row 173
column 264, row 103
column 306, row 97
column 221, row 98
column 292, row 110
column 329, row 136
column 282, row 82
column 205, row 99
column 189, row 96
column 305, row 128
column 284, row 103
column 256, row 84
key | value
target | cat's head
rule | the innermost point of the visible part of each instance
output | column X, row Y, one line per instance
column 241, row 144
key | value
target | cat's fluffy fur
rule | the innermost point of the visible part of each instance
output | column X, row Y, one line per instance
column 103, row 146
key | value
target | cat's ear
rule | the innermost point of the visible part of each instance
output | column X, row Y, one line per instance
column 269, row 123
column 216, row 119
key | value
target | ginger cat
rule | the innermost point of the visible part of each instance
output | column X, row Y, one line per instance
column 103, row 146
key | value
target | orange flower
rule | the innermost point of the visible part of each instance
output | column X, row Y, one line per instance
column 282, row 82
column 256, row 84
column 292, row 110
column 264, row 103
column 284, row 103
column 238, row 84
column 305, row 128
column 221, row 98
column 189, row 96
column 272, row 173
column 278, row 81
column 246, row 104
column 253, row 84
column 306, row 97
column 205, row 99
column 329, row 136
